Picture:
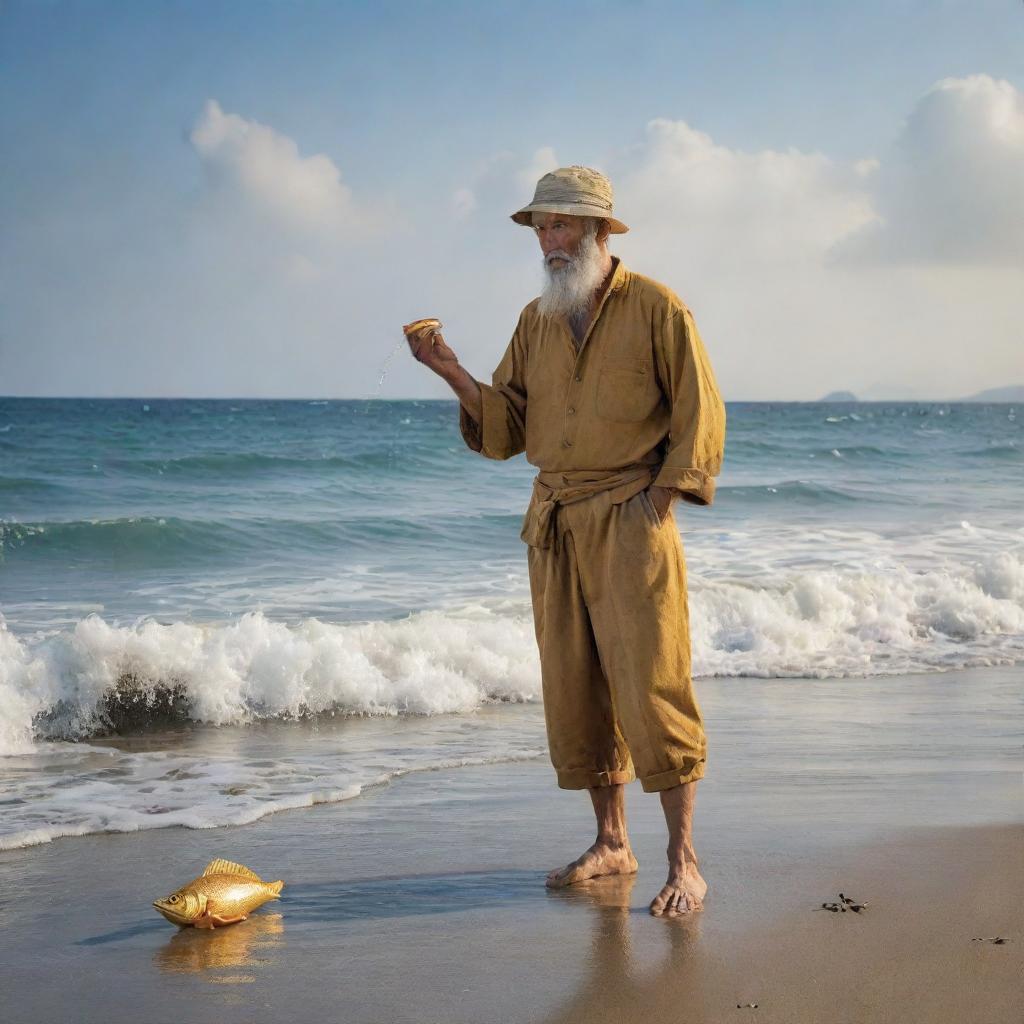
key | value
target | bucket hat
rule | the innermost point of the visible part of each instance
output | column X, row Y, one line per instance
column 577, row 191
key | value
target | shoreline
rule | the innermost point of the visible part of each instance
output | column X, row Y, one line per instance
column 804, row 743
column 424, row 901
column 431, row 906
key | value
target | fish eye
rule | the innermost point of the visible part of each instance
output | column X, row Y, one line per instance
column 172, row 899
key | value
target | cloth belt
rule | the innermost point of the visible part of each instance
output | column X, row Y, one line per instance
column 553, row 489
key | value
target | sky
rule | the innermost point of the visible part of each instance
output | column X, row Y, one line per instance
column 248, row 199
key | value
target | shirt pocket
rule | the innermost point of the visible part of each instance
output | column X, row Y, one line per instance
column 626, row 391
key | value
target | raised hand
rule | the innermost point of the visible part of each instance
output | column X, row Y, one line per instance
column 428, row 347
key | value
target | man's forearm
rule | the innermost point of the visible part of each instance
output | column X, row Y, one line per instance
column 467, row 390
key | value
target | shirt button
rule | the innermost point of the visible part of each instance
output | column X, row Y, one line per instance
column 572, row 411
column 578, row 378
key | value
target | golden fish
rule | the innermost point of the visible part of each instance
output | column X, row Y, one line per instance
column 224, row 893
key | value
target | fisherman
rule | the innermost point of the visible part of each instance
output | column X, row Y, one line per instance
column 607, row 387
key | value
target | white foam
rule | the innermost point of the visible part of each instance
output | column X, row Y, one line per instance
column 826, row 623
column 249, row 779
column 792, row 600
column 879, row 606
column 24, row 692
column 761, row 605
column 255, row 668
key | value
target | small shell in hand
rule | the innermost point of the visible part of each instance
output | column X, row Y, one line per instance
column 431, row 324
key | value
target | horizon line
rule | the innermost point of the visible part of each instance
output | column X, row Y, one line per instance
column 965, row 400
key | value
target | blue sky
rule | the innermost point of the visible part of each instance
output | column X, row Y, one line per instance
column 788, row 168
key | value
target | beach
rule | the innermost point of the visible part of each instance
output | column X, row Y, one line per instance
column 423, row 900
column 278, row 633
column 704, row 463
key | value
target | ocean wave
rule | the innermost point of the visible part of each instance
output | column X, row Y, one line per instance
column 827, row 623
column 97, row 677
column 22, row 485
column 156, row 539
column 242, row 464
column 1008, row 451
column 807, row 492
column 751, row 450
column 138, row 792
column 867, row 451
column 161, row 541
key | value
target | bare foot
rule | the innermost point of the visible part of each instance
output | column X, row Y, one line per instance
column 600, row 859
column 681, row 894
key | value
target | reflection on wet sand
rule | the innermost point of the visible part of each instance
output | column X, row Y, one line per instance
column 410, row 896
column 243, row 945
column 614, row 987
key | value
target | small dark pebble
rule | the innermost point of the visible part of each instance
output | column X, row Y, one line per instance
column 843, row 906
column 744, row 1006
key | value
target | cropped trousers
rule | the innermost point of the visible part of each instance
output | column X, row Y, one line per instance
column 612, row 622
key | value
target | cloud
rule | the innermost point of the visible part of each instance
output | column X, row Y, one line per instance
column 759, row 243
column 952, row 189
column 464, row 202
column 499, row 181
column 805, row 272
column 730, row 208
column 948, row 191
column 254, row 163
column 275, row 224
column 542, row 161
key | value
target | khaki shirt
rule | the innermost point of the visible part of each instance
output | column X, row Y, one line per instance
column 638, row 395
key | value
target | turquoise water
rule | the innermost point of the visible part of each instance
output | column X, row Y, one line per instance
column 204, row 510
column 235, row 562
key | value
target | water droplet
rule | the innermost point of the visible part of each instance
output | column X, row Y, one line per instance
column 384, row 367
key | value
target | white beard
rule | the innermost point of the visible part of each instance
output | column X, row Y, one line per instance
column 569, row 290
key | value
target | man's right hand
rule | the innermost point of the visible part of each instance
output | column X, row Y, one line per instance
column 429, row 348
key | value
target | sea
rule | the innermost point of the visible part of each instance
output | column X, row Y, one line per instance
column 211, row 611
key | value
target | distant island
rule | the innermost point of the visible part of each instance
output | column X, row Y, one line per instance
column 1011, row 393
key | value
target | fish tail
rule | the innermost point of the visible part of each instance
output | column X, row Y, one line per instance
column 276, row 887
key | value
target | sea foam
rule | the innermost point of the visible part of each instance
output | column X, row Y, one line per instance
column 817, row 622
column 70, row 685
column 234, row 776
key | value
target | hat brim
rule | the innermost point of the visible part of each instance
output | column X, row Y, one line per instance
column 524, row 217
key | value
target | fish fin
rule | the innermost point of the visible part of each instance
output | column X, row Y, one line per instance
column 276, row 888
column 218, row 920
column 212, row 921
column 229, row 867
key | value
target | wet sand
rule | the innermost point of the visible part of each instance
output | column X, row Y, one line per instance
column 424, row 901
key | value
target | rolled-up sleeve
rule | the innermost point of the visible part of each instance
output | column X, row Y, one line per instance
column 502, row 433
column 696, row 439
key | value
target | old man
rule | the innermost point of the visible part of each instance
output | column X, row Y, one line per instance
column 607, row 387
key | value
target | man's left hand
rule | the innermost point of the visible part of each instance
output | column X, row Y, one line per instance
column 662, row 499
